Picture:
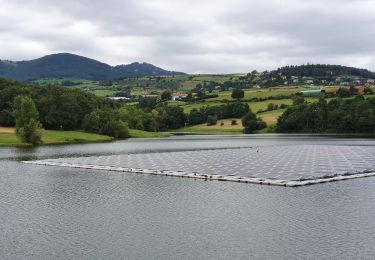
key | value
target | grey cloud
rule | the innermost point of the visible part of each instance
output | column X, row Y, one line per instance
column 193, row 36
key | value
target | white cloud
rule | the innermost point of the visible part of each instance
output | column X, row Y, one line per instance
column 193, row 36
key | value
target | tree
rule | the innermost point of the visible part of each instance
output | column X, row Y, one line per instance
column 196, row 116
column 298, row 100
column 27, row 120
column 271, row 106
column 211, row 120
column 238, row 93
column 166, row 95
column 252, row 123
column 343, row 92
column 105, row 122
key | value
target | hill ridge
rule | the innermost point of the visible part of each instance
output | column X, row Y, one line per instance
column 60, row 65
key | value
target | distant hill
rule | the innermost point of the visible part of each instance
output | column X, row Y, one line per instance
column 66, row 65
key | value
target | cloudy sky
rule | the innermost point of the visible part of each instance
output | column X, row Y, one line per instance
column 195, row 36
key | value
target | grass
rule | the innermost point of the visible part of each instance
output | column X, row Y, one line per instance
column 71, row 137
column 134, row 133
column 55, row 137
column 254, row 106
column 260, row 93
column 103, row 92
column 8, row 137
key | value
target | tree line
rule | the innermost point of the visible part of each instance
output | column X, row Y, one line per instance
column 356, row 115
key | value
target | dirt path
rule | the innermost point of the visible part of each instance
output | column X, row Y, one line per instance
column 7, row 130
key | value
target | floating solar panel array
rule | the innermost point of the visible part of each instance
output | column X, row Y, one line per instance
column 274, row 165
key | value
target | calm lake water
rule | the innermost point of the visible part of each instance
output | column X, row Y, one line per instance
column 64, row 213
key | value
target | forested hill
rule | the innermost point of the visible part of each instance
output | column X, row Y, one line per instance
column 66, row 65
column 323, row 71
column 318, row 74
column 137, row 69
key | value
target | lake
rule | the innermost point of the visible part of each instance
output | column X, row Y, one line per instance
column 65, row 213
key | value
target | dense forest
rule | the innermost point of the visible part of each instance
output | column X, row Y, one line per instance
column 322, row 71
column 356, row 115
column 66, row 65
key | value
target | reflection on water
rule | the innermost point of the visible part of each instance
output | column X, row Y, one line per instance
column 50, row 213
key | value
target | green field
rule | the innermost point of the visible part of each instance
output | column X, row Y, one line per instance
column 103, row 93
column 8, row 138
column 260, row 93
column 254, row 106
column 56, row 137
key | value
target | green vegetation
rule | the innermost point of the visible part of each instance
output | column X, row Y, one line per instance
column 106, row 122
column 237, row 93
column 59, row 108
column 355, row 115
column 27, row 120
column 10, row 139
column 304, row 74
column 210, row 114
column 103, row 92
column 55, row 137
column 71, row 137
column 251, row 123
column 207, row 100
column 211, row 120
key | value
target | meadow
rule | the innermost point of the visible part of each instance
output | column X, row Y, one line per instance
column 8, row 137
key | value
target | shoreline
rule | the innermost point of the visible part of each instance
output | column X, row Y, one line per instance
column 8, row 139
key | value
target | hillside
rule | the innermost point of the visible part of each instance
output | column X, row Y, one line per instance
column 310, row 74
column 66, row 65
column 137, row 69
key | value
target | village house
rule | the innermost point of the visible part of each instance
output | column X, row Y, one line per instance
column 177, row 96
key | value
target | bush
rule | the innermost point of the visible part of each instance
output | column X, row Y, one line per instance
column 252, row 123
column 238, row 93
column 166, row 95
column 211, row 120
column 298, row 100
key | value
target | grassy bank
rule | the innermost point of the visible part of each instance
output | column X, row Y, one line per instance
column 8, row 137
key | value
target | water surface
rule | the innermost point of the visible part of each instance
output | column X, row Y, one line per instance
column 61, row 213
